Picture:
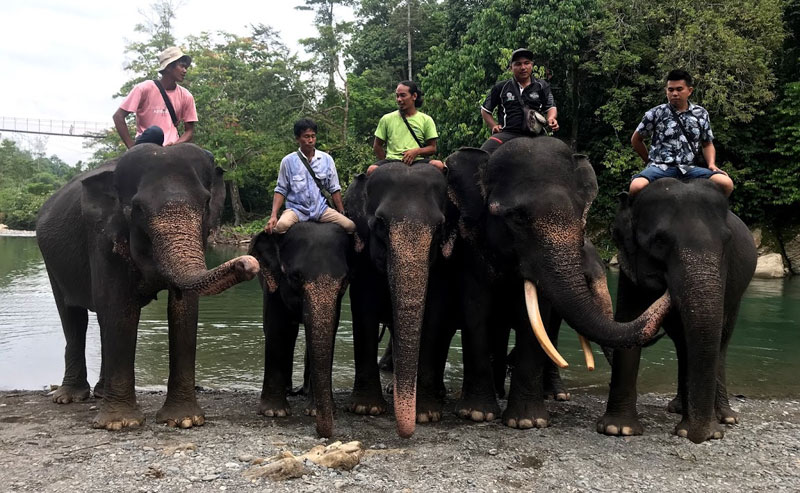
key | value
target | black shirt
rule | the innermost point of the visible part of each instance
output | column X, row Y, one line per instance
column 505, row 97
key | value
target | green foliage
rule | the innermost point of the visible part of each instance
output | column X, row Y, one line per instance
column 26, row 181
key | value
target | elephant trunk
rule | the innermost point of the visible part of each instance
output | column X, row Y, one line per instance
column 407, row 268
column 179, row 252
column 320, row 318
column 587, row 309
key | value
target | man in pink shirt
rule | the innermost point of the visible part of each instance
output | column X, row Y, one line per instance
column 154, row 124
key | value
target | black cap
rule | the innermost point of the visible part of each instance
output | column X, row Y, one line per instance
column 521, row 53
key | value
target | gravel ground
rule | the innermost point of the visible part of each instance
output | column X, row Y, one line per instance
column 50, row 447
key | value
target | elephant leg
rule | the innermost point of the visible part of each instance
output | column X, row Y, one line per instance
column 367, row 396
column 118, row 317
column 280, row 336
column 101, row 380
column 500, row 359
column 434, row 346
column 525, row 407
column 305, row 387
column 620, row 417
column 677, row 404
column 553, row 385
column 478, row 399
column 181, row 407
column 74, row 387
column 386, row 363
column 699, row 421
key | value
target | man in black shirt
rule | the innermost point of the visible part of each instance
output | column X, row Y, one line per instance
column 512, row 98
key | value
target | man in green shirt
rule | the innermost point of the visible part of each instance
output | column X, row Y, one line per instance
column 394, row 140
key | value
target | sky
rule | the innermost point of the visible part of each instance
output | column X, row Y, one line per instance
column 63, row 60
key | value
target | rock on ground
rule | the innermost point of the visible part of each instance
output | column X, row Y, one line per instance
column 50, row 447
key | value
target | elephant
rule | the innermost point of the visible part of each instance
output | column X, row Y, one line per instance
column 681, row 237
column 111, row 239
column 398, row 278
column 521, row 231
column 304, row 274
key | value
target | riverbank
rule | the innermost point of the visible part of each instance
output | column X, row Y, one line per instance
column 49, row 447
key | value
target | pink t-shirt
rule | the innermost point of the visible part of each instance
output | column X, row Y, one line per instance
column 145, row 100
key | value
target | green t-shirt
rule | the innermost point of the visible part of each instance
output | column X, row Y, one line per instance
column 392, row 130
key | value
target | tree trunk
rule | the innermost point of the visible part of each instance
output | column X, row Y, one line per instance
column 573, row 135
column 233, row 192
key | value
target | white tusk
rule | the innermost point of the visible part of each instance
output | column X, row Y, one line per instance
column 532, row 304
column 587, row 352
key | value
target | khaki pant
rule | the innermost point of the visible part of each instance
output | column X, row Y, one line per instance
column 289, row 219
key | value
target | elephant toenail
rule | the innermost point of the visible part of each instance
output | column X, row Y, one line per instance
column 524, row 424
column 627, row 431
column 541, row 423
column 612, row 430
column 682, row 433
column 512, row 423
column 476, row 416
column 186, row 423
column 490, row 416
column 422, row 418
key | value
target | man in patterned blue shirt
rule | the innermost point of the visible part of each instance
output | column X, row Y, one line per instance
column 671, row 153
column 296, row 186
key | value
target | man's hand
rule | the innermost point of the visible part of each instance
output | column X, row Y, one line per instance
column 271, row 224
column 410, row 155
column 552, row 123
column 497, row 128
column 713, row 167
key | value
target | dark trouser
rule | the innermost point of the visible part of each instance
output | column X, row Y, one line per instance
column 500, row 138
column 153, row 135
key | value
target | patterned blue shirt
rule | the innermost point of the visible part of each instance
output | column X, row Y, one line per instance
column 302, row 193
column 668, row 146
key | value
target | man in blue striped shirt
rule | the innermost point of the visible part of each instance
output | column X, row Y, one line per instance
column 304, row 199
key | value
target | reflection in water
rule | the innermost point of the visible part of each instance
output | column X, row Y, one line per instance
column 230, row 350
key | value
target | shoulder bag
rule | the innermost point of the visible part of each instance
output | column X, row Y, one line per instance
column 322, row 189
column 698, row 159
column 167, row 102
column 408, row 125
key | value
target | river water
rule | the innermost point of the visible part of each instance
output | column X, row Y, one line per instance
column 762, row 359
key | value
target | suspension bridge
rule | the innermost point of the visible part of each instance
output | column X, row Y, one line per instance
column 67, row 128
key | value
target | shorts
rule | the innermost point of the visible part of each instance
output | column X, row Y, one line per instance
column 653, row 172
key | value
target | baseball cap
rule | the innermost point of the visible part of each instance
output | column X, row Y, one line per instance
column 170, row 55
column 521, row 53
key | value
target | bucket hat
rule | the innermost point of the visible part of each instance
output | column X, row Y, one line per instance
column 170, row 55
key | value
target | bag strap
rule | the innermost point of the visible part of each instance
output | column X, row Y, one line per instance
column 683, row 130
column 322, row 189
column 167, row 102
column 410, row 130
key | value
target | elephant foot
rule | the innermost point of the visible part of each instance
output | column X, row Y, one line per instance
column 118, row 418
column 478, row 410
column 727, row 416
column 311, row 406
column 181, row 415
column 371, row 403
column 619, row 425
column 429, row 409
column 699, row 432
column 554, row 388
column 675, row 406
column 70, row 393
column 524, row 415
column 277, row 407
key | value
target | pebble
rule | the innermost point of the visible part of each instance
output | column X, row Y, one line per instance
column 210, row 477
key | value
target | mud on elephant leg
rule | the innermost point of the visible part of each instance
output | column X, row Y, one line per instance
column 620, row 417
column 181, row 408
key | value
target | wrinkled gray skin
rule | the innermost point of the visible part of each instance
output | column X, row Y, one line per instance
column 304, row 274
column 111, row 239
column 522, row 216
column 401, row 239
column 681, row 237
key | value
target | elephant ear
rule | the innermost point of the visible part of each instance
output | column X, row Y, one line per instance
column 217, row 201
column 623, row 235
column 586, row 182
column 464, row 188
column 354, row 202
column 264, row 247
column 101, row 210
